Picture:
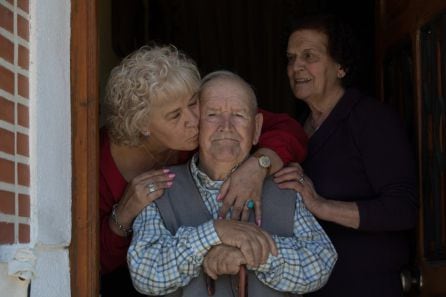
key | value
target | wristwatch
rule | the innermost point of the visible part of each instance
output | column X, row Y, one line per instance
column 264, row 162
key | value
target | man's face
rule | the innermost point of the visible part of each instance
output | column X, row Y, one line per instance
column 228, row 124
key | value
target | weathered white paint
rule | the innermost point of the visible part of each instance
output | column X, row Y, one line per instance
column 50, row 156
column 50, row 145
column 11, row 286
column 52, row 277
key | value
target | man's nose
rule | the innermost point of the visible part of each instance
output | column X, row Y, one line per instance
column 226, row 122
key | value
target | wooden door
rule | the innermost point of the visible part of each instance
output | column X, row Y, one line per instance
column 411, row 63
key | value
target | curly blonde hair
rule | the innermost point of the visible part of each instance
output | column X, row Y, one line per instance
column 150, row 73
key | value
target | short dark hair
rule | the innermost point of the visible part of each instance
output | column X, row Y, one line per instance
column 342, row 44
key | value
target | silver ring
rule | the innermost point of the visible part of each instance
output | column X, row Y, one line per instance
column 301, row 179
column 151, row 188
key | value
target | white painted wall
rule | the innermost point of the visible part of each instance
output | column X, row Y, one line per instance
column 50, row 159
column 50, row 146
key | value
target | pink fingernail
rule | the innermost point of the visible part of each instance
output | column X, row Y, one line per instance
column 171, row 175
column 166, row 170
column 219, row 197
column 259, row 222
column 169, row 184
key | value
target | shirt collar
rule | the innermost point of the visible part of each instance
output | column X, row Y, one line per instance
column 201, row 178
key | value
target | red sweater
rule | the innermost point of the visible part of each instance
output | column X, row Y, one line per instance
column 280, row 133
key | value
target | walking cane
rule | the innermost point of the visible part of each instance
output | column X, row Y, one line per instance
column 242, row 283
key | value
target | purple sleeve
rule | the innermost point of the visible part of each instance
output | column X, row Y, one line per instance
column 390, row 166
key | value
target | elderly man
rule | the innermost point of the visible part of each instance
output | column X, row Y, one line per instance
column 181, row 236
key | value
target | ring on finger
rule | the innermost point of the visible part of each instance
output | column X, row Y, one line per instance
column 301, row 179
column 250, row 204
column 151, row 188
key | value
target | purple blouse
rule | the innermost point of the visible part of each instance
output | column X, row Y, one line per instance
column 361, row 153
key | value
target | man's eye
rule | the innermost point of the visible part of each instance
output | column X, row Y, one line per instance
column 194, row 102
column 291, row 59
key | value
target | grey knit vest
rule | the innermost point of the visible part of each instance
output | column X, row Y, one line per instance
column 182, row 205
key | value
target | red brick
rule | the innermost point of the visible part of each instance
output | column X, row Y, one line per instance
column 23, row 174
column 7, row 172
column 22, row 144
column 23, row 57
column 6, row 80
column 6, row 49
column 7, row 234
column 23, row 115
column 24, row 233
column 7, row 202
column 24, row 206
column 24, row 5
column 23, row 86
column 6, row 110
column 6, row 19
column 22, row 27
column 7, row 141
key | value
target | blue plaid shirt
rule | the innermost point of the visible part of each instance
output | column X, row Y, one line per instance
column 160, row 262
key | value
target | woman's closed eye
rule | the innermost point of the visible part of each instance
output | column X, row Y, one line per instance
column 174, row 115
column 193, row 102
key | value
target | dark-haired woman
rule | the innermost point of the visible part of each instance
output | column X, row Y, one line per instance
column 359, row 176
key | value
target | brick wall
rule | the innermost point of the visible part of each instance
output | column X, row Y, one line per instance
column 14, row 122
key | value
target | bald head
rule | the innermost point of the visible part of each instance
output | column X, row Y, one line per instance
column 229, row 78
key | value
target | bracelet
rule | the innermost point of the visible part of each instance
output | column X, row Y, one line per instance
column 125, row 229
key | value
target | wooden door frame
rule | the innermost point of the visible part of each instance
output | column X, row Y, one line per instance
column 389, row 32
column 84, row 247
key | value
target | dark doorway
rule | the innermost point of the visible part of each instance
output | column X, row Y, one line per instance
column 247, row 37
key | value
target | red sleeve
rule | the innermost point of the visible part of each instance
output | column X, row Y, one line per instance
column 284, row 135
column 185, row 156
column 113, row 248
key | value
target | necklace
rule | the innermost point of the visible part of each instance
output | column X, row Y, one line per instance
column 227, row 175
column 231, row 172
column 236, row 166
column 158, row 163
column 313, row 125
column 310, row 126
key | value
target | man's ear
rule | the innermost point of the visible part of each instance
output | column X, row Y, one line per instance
column 258, row 128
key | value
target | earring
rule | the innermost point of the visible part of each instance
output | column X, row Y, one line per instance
column 146, row 133
column 341, row 72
